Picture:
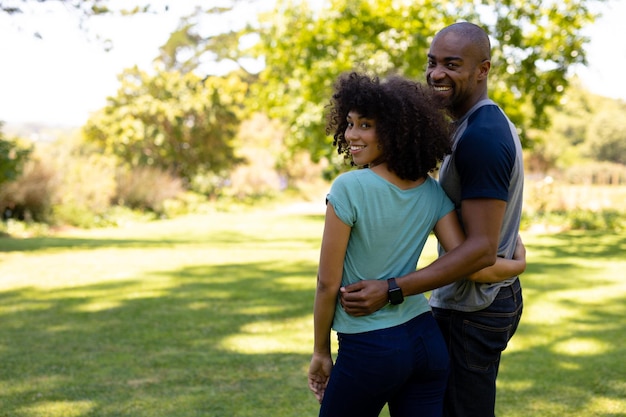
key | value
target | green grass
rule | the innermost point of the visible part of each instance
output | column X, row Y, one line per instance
column 212, row 316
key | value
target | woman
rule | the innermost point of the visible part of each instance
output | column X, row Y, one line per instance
column 377, row 222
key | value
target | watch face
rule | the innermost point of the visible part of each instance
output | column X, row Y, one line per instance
column 395, row 296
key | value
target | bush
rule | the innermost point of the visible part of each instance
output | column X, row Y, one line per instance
column 13, row 156
column 146, row 188
column 185, row 203
column 86, row 187
column 602, row 173
column 74, row 215
column 608, row 220
column 62, row 184
column 29, row 197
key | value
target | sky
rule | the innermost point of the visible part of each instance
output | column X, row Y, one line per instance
column 64, row 76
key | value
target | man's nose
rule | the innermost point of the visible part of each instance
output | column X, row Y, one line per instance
column 437, row 72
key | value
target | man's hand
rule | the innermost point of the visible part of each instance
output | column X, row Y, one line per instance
column 364, row 297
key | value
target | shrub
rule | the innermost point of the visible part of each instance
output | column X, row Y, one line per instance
column 86, row 186
column 184, row 203
column 13, row 156
column 609, row 220
column 62, row 184
column 597, row 173
column 29, row 197
column 146, row 188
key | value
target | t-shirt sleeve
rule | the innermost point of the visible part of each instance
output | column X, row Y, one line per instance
column 341, row 199
column 445, row 204
column 485, row 156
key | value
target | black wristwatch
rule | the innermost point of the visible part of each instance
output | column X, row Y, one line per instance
column 395, row 292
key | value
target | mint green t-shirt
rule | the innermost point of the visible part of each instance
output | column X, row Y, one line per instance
column 389, row 229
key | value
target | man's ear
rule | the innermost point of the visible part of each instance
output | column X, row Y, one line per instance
column 483, row 69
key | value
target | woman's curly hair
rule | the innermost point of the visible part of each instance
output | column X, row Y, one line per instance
column 413, row 131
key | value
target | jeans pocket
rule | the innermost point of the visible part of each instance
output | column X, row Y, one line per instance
column 484, row 344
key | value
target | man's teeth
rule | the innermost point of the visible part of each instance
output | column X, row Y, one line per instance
column 442, row 88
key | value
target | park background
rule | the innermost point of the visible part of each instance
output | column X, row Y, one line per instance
column 159, row 245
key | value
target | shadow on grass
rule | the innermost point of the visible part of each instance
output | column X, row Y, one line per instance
column 234, row 340
column 572, row 332
column 163, row 355
column 572, row 365
column 580, row 372
column 44, row 244
column 588, row 244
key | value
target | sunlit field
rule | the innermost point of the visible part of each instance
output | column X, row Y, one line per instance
column 211, row 315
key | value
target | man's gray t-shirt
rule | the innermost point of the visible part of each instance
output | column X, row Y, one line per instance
column 486, row 162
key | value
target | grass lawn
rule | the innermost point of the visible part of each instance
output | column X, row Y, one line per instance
column 212, row 316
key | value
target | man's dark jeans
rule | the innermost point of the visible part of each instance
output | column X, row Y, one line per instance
column 475, row 342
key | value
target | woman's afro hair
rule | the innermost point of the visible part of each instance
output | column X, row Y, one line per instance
column 413, row 131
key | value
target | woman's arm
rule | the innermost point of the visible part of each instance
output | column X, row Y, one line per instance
column 332, row 254
column 450, row 235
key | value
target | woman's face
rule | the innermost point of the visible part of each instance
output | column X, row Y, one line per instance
column 362, row 139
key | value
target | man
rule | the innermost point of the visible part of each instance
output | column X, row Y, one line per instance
column 484, row 178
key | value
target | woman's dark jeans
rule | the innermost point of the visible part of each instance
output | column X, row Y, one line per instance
column 405, row 366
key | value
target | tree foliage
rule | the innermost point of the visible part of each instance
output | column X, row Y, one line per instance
column 305, row 49
column 81, row 10
column 606, row 136
column 12, row 158
column 189, row 47
column 562, row 144
column 84, row 8
column 585, row 128
column 177, row 122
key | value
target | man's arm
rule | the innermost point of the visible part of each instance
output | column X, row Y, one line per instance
column 482, row 219
column 503, row 268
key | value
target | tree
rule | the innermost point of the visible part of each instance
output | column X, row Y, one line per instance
column 12, row 158
column 607, row 139
column 177, row 122
column 305, row 49
column 187, row 49
column 83, row 10
column 563, row 143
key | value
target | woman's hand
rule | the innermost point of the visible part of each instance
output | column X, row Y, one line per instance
column 319, row 373
column 503, row 268
column 520, row 250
